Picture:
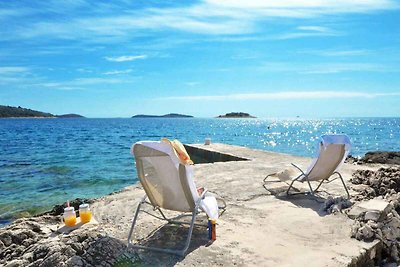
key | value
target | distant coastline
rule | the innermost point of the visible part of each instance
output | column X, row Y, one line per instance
column 26, row 113
column 170, row 115
column 236, row 115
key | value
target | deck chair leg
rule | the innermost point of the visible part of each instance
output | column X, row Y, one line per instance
column 344, row 185
column 189, row 237
column 316, row 189
column 311, row 190
column 291, row 184
column 265, row 179
column 135, row 218
column 341, row 179
column 162, row 214
column 171, row 251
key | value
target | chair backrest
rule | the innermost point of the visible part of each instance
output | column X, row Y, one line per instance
column 333, row 150
column 167, row 183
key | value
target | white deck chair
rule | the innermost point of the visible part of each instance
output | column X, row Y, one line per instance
column 332, row 151
column 168, row 185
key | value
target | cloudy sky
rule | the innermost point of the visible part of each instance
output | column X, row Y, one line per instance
column 287, row 58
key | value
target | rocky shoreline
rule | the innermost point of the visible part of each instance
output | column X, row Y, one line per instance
column 382, row 188
column 42, row 241
column 381, row 157
column 37, row 241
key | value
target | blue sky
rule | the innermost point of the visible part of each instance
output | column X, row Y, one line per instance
column 308, row 58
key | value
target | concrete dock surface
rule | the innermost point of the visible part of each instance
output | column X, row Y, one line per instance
column 258, row 228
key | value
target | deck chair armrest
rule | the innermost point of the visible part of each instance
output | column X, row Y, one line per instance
column 297, row 167
column 203, row 194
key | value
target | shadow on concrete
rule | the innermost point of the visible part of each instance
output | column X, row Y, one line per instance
column 299, row 198
column 171, row 236
column 308, row 201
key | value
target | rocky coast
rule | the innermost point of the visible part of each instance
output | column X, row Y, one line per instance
column 257, row 228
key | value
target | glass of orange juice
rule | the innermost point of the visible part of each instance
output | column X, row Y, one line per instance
column 69, row 216
column 84, row 213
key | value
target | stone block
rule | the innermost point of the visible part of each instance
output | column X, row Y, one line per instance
column 373, row 215
column 378, row 205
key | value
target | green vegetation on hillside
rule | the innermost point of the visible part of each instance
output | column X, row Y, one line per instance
column 170, row 115
column 236, row 115
column 14, row 112
column 70, row 116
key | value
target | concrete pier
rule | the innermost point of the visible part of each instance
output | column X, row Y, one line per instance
column 258, row 228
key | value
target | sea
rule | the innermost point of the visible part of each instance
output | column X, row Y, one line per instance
column 44, row 162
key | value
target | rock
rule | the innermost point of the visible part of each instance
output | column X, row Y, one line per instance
column 17, row 263
column 333, row 205
column 40, row 252
column 28, row 256
column 78, row 247
column 352, row 160
column 372, row 215
column 365, row 233
column 377, row 205
column 75, row 261
column 383, row 182
column 395, row 252
column 59, row 209
column 378, row 219
column 356, row 212
column 55, row 259
column 6, row 239
column 384, row 157
column 34, row 226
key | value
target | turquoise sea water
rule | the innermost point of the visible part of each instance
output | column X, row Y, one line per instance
column 48, row 161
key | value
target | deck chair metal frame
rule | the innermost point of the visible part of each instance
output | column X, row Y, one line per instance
column 304, row 176
column 169, row 220
column 193, row 206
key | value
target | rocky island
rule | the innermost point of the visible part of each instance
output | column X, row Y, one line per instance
column 70, row 116
column 20, row 112
column 236, row 115
column 170, row 115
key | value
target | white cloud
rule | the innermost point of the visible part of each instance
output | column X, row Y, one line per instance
column 192, row 84
column 83, row 70
column 116, row 72
column 308, row 5
column 13, row 70
column 338, row 52
column 345, row 67
column 15, row 75
column 81, row 83
column 282, row 95
column 325, row 68
column 13, row 13
column 211, row 17
column 313, row 28
column 90, row 81
column 295, row 35
column 307, row 31
column 125, row 58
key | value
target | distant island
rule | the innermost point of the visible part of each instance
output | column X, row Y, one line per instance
column 19, row 112
column 170, row 115
column 236, row 115
column 70, row 116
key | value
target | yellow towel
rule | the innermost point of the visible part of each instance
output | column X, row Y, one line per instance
column 179, row 150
